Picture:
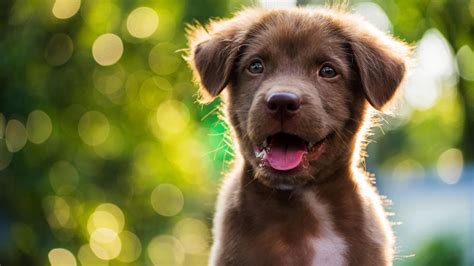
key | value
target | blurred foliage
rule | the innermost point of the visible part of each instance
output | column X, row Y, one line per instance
column 452, row 114
column 86, row 122
column 105, row 157
column 443, row 250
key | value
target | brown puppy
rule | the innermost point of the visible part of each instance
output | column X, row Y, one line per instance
column 299, row 85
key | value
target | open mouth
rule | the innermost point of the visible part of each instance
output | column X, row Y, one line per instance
column 285, row 152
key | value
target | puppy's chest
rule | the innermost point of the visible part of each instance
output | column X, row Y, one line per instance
column 308, row 239
column 329, row 246
column 329, row 249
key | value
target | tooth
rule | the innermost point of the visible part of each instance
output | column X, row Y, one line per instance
column 311, row 144
column 265, row 143
column 260, row 154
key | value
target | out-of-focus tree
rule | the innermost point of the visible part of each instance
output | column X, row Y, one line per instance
column 103, row 159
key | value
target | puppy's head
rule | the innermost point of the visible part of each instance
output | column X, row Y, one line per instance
column 298, row 83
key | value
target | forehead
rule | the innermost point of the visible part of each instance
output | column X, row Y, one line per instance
column 295, row 35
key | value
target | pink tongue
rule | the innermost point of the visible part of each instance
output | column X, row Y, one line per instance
column 286, row 152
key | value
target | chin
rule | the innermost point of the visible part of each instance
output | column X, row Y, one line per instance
column 283, row 180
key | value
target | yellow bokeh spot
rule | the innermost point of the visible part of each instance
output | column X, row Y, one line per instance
column 142, row 22
column 163, row 59
column 172, row 117
column 63, row 177
column 38, row 126
column 107, row 49
column 193, row 234
column 166, row 250
column 153, row 91
column 58, row 212
column 88, row 258
column 108, row 216
column 105, row 243
column 189, row 150
column 450, row 166
column 109, row 81
column 102, row 219
column 61, row 257
column 115, row 211
column 131, row 247
column 112, row 146
column 64, row 9
column 93, row 128
column 167, row 200
column 15, row 135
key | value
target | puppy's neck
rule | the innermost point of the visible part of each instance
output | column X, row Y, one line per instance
column 337, row 177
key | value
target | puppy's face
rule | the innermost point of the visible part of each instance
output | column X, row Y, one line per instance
column 297, row 88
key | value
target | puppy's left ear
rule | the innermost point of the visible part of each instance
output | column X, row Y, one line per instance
column 381, row 61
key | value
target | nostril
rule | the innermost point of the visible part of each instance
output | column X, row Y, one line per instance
column 272, row 106
column 293, row 107
column 283, row 101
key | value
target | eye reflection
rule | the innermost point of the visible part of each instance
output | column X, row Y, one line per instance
column 327, row 71
column 256, row 67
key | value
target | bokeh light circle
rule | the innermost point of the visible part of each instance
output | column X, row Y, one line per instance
column 193, row 234
column 93, row 128
column 167, row 200
column 88, row 258
column 61, row 257
column 105, row 243
column 450, row 166
column 59, row 49
column 38, row 127
column 15, row 135
column 142, row 22
column 464, row 58
column 63, row 177
column 109, row 80
column 112, row 147
column 131, row 247
column 108, row 216
column 107, row 49
column 58, row 212
column 64, row 9
column 166, row 250
column 163, row 59
column 172, row 117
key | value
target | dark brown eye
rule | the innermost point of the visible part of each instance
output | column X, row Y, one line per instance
column 256, row 67
column 327, row 71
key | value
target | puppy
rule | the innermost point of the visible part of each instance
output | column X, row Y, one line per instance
column 298, row 84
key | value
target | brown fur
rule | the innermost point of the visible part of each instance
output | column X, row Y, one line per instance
column 332, row 215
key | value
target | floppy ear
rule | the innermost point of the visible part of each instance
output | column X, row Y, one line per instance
column 381, row 63
column 213, row 52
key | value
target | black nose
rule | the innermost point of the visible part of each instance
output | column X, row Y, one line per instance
column 284, row 102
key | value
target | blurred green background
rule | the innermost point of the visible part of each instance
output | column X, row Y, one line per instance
column 107, row 159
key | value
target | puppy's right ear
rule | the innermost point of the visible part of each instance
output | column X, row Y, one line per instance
column 212, row 54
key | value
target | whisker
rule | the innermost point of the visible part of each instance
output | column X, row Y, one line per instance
column 214, row 110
